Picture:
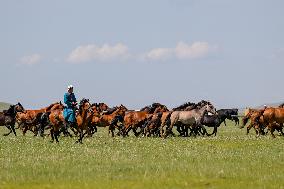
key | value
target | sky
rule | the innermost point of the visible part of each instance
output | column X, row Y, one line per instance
column 230, row 52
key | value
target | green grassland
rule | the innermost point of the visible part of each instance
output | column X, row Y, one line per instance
column 230, row 160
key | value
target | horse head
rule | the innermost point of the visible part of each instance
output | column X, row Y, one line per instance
column 210, row 108
column 19, row 108
column 85, row 106
column 103, row 106
column 121, row 110
column 11, row 110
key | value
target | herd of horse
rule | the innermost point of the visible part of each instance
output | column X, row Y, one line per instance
column 190, row 119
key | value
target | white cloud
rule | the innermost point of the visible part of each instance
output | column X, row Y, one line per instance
column 93, row 52
column 196, row 50
column 31, row 59
column 182, row 51
column 160, row 54
column 120, row 52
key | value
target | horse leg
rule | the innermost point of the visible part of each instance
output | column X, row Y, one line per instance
column 56, row 135
column 215, row 130
column 111, row 129
column 134, row 129
column 257, row 131
column 180, row 130
column 203, row 129
column 248, row 128
column 25, row 130
column 35, row 131
column 80, row 136
column 10, row 130
column 13, row 129
column 52, row 135
column 271, row 131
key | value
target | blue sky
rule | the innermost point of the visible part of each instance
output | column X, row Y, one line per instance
column 138, row 52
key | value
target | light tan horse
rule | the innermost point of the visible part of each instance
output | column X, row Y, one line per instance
column 189, row 118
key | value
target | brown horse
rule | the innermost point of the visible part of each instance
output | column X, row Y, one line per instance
column 135, row 119
column 29, row 119
column 273, row 119
column 105, row 119
column 256, row 121
column 99, row 107
column 153, row 124
column 83, row 118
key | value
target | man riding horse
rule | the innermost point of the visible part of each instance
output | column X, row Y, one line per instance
column 69, row 111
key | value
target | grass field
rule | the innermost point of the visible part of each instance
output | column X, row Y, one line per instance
column 230, row 160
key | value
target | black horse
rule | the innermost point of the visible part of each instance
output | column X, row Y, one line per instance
column 221, row 116
column 212, row 121
column 230, row 114
column 8, row 117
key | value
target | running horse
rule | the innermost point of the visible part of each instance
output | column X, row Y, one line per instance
column 135, row 119
column 83, row 118
column 110, row 118
column 30, row 119
column 181, row 128
column 273, row 119
column 190, row 119
column 8, row 117
column 256, row 121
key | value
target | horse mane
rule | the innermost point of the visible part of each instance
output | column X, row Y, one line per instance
column 95, row 104
column 184, row 106
column 151, row 108
column 10, row 110
column 84, row 100
column 110, row 110
column 50, row 106
column 19, row 104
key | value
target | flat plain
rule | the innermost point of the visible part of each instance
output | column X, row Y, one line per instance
column 230, row 160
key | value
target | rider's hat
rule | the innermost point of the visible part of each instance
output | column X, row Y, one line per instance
column 70, row 87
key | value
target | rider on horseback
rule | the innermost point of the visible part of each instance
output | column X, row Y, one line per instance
column 69, row 111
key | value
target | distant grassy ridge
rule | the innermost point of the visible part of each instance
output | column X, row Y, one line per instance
column 4, row 106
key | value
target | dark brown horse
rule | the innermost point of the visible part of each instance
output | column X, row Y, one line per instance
column 105, row 119
column 135, row 119
column 8, row 117
column 83, row 119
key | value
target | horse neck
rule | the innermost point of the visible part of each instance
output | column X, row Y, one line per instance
column 202, row 110
column 83, row 113
column 48, row 108
column 116, row 112
column 11, row 111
